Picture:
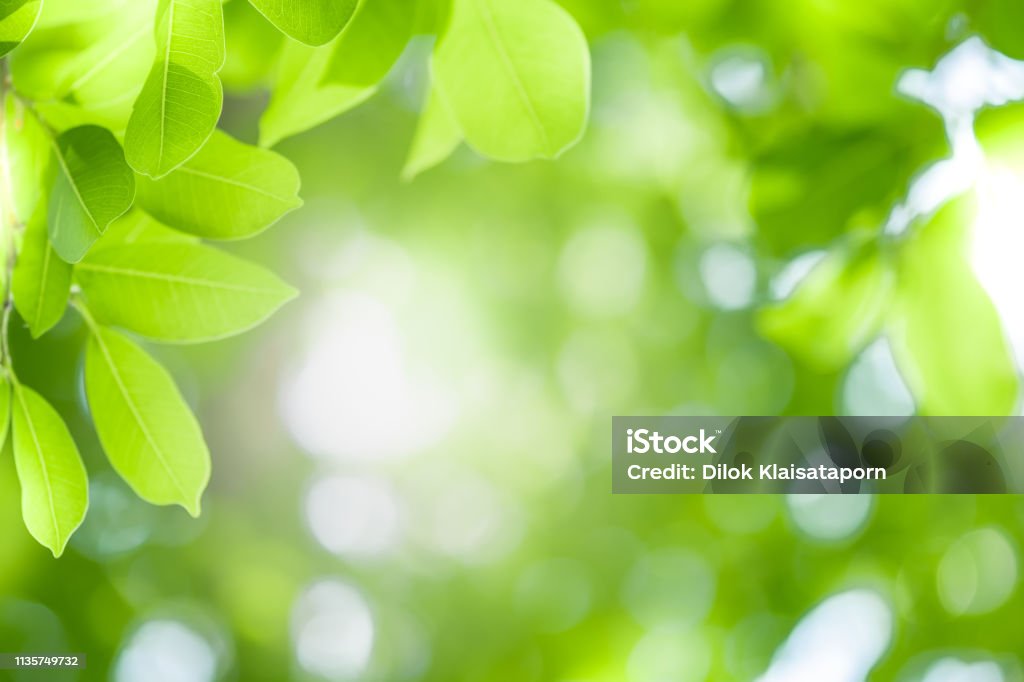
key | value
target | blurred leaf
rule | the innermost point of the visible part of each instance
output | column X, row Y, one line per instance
column 54, row 486
column 64, row 12
column 146, row 428
column 41, row 281
column 93, row 186
column 229, row 190
column 812, row 185
column 178, row 292
column 17, row 17
column 313, row 22
column 5, row 409
column 252, row 46
column 1001, row 24
column 371, row 43
column 88, row 71
column 1000, row 131
column 180, row 102
column 836, row 310
column 28, row 157
column 946, row 335
column 104, row 79
column 314, row 85
column 516, row 76
column 299, row 101
column 437, row 136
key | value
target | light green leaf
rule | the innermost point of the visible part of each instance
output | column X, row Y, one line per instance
column 313, row 22
column 28, row 157
column 5, row 410
column 147, row 430
column 90, row 71
column 252, row 47
column 180, row 102
column 41, row 280
column 229, row 190
column 946, row 335
column 136, row 226
column 317, row 84
column 371, row 43
column 836, row 310
column 17, row 17
column 93, row 186
column 437, row 136
column 178, row 292
column 516, row 76
column 299, row 100
column 54, row 485
column 102, row 80
column 64, row 12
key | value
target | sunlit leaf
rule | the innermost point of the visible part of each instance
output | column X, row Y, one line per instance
column 371, row 43
column 146, row 428
column 136, row 226
column 314, row 85
column 41, row 280
column 54, row 485
column 516, row 76
column 313, row 22
column 93, row 186
column 28, row 157
column 17, row 17
column 228, row 190
column 437, row 136
column 178, row 292
column 945, row 333
column 252, row 47
column 64, row 12
column 180, row 102
column 836, row 310
column 5, row 410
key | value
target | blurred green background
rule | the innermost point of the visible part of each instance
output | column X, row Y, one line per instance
column 411, row 462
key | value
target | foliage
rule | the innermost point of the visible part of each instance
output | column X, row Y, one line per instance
column 113, row 165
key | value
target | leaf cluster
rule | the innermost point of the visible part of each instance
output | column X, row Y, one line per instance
column 114, row 175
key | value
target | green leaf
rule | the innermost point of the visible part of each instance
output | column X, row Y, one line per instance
column 93, row 186
column 136, row 226
column 836, row 310
column 17, row 17
column 147, row 430
column 371, row 44
column 90, row 71
column 28, row 157
column 437, row 136
column 316, row 84
column 54, row 485
column 103, row 79
column 516, row 76
column 229, row 190
column 180, row 102
column 178, row 292
column 252, row 47
column 64, row 12
column 313, row 22
column 41, row 280
column 5, row 409
column 299, row 101
column 946, row 335
column 1001, row 24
